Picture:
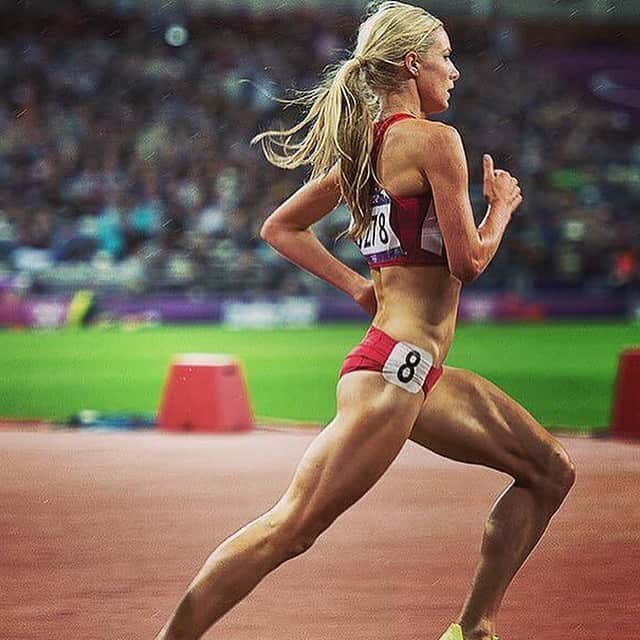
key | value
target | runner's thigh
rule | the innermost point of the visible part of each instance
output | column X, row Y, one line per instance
column 373, row 422
column 467, row 418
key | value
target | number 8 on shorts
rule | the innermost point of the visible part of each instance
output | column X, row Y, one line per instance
column 407, row 367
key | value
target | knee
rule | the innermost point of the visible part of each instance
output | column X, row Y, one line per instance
column 556, row 474
column 299, row 542
column 290, row 532
column 561, row 470
column 567, row 475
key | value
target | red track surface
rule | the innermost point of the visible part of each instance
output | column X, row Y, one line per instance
column 101, row 532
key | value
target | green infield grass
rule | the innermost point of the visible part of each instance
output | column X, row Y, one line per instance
column 563, row 373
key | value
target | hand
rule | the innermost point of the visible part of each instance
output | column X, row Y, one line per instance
column 366, row 298
column 500, row 187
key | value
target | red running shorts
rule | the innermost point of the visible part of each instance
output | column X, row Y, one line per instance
column 401, row 363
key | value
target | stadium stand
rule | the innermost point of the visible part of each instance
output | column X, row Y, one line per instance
column 125, row 162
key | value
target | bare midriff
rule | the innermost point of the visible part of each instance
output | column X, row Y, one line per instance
column 418, row 304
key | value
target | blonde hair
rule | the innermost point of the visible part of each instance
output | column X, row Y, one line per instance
column 341, row 110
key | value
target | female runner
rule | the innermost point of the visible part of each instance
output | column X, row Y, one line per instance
column 405, row 181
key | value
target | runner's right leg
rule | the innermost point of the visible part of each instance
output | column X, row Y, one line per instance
column 373, row 421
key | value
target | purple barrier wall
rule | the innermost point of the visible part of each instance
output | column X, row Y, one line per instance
column 11, row 313
column 264, row 311
column 40, row 311
column 163, row 308
column 273, row 311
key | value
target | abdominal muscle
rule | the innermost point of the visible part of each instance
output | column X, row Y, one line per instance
column 418, row 304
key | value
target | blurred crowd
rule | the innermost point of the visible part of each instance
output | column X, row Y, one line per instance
column 125, row 160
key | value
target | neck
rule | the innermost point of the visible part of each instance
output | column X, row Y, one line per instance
column 404, row 100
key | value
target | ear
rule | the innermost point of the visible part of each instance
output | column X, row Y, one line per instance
column 411, row 63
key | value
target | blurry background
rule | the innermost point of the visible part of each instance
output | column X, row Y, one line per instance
column 129, row 193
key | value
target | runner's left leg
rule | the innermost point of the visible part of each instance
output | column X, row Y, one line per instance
column 467, row 418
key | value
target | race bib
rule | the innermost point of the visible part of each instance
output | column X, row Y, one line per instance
column 380, row 243
column 407, row 367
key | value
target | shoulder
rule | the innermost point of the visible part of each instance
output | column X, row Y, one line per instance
column 436, row 145
column 422, row 137
column 426, row 130
column 437, row 133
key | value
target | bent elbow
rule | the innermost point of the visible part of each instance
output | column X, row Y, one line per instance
column 278, row 234
column 465, row 276
column 466, row 271
column 268, row 231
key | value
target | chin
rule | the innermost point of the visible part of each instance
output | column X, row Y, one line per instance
column 437, row 106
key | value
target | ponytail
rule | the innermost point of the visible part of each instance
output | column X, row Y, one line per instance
column 339, row 120
column 340, row 112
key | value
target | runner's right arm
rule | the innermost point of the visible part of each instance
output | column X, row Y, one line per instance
column 469, row 248
column 287, row 231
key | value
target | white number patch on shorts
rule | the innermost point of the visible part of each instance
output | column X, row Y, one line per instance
column 407, row 367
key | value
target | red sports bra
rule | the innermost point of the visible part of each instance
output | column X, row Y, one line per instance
column 403, row 231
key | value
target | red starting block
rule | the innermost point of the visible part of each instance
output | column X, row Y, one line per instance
column 625, row 416
column 205, row 393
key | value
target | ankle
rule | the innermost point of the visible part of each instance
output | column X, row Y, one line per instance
column 482, row 630
column 474, row 634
